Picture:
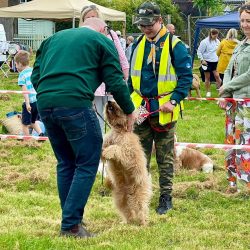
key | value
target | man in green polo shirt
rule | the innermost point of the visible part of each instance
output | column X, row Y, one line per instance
column 69, row 67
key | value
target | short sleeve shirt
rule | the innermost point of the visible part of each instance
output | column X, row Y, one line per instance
column 24, row 79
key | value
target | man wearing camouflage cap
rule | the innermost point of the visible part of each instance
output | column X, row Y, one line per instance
column 160, row 77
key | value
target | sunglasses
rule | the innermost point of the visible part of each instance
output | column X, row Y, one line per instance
column 147, row 26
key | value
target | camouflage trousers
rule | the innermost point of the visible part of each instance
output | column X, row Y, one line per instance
column 164, row 147
column 238, row 132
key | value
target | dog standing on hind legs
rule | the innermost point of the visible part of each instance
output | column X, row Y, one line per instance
column 127, row 174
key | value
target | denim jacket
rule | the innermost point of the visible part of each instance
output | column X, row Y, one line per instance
column 238, row 85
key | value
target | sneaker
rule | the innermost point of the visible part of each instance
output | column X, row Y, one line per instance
column 165, row 203
column 208, row 94
column 77, row 231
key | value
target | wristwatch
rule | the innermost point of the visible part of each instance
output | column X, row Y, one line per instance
column 173, row 102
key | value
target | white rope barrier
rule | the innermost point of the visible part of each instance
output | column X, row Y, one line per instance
column 189, row 145
column 181, row 144
column 216, row 146
column 23, row 137
column 217, row 99
column 16, row 92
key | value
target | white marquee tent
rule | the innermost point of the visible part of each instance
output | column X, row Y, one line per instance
column 58, row 9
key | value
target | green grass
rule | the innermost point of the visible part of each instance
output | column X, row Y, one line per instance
column 205, row 216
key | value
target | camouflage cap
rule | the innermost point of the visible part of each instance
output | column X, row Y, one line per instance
column 147, row 12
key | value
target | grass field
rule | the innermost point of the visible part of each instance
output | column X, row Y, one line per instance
column 205, row 216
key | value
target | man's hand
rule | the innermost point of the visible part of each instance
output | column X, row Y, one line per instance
column 131, row 120
column 167, row 107
column 203, row 62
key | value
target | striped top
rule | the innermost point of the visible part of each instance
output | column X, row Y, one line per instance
column 24, row 79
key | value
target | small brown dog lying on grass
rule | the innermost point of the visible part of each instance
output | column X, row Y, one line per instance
column 188, row 158
column 127, row 173
column 195, row 86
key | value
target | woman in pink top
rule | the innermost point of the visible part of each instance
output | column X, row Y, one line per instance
column 122, row 58
column 93, row 11
column 100, row 100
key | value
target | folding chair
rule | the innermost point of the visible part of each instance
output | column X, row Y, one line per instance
column 4, row 58
column 7, row 53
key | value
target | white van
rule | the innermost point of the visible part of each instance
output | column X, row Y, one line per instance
column 2, row 43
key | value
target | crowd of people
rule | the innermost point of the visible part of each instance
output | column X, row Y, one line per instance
column 153, row 71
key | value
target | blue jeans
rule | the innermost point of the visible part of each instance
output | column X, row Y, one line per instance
column 76, row 138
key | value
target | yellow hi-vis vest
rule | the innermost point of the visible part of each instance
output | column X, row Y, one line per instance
column 167, row 79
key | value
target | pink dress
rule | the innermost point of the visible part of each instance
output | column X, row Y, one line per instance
column 123, row 62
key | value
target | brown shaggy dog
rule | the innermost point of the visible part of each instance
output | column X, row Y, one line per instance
column 189, row 158
column 195, row 86
column 126, row 171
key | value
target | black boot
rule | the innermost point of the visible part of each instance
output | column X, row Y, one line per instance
column 165, row 203
column 77, row 231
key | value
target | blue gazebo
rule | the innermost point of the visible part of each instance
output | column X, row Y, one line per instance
column 227, row 21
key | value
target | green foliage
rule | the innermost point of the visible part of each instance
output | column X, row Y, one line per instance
column 130, row 6
column 210, row 7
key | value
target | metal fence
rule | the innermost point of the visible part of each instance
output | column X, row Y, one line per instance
column 187, row 34
column 33, row 41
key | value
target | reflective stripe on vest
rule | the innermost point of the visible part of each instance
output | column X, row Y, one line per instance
column 166, row 79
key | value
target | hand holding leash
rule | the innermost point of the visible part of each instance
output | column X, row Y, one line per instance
column 167, row 107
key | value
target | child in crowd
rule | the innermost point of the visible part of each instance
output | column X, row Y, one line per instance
column 29, row 109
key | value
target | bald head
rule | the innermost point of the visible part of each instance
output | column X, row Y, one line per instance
column 171, row 28
column 95, row 24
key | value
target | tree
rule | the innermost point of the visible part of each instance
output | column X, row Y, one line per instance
column 210, row 7
column 130, row 6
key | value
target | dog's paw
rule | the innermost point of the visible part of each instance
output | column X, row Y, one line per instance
column 108, row 153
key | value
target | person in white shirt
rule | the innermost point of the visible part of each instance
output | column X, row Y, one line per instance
column 122, row 40
column 207, row 54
